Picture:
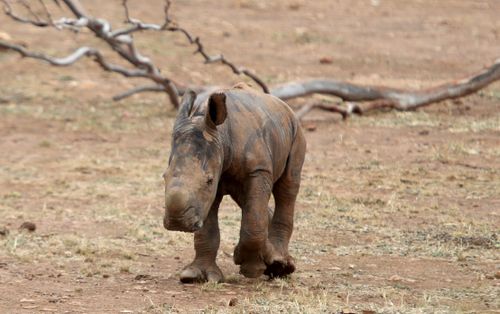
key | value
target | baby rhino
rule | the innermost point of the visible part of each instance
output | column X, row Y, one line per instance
column 245, row 144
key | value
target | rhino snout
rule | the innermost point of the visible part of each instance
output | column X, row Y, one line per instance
column 179, row 215
column 185, row 224
column 176, row 201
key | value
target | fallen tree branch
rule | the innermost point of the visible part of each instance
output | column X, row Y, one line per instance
column 343, row 90
column 123, row 45
column 411, row 100
column 379, row 97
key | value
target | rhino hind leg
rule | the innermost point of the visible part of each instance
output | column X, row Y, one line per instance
column 285, row 192
column 206, row 244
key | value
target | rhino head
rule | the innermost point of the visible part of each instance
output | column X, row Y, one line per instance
column 195, row 163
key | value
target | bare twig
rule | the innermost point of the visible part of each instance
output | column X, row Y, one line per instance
column 29, row 9
column 46, row 10
column 124, row 46
column 138, row 25
column 73, row 24
column 139, row 89
column 74, row 57
column 219, row 58
column 305, row 110
column 345, row 112
column 127, row 13
column 171, row 26
column 9, row 12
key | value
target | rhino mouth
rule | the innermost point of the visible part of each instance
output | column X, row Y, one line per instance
column 184, row 223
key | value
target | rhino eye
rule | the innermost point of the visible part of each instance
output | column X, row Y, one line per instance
column 210, row 180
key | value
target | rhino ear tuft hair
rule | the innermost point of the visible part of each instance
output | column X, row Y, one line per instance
column 187, row 103
column 217, row 111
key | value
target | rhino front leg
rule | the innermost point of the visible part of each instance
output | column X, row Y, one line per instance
column 206, row 245
column 254, row 250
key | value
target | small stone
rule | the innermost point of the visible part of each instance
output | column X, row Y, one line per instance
column 396, row 278
column 5, row 36
column 28, row 226
column 294, row 6
column 53, row 300
column 143, row 277
column 233, row 302
column 497, row 275
column 310, row 127
column 4, row 231
column 424, row 132
column 326, row 60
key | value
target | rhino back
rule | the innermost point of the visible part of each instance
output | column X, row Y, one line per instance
column 259, row 132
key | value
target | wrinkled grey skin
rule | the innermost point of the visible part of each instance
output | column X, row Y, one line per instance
column 245, row 144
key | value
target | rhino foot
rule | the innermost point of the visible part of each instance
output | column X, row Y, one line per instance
column 251, row 262
column 197, row 273
column 280, row 268
column 271, row 262
column 252, row 269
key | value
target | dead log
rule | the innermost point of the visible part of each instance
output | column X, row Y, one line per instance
column 378, row 97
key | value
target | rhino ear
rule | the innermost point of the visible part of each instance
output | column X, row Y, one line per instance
column 216, row 109
column 187, row 103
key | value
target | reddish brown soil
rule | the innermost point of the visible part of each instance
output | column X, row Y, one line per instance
column 398, row 212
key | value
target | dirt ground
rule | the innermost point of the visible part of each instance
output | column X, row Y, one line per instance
column 398, row 212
